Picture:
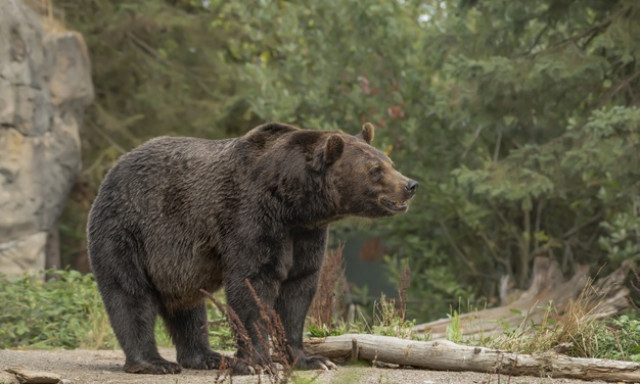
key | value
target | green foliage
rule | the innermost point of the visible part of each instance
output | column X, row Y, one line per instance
column 220, row 335
column 538, row 112
column 159, row 68
column 620, row 339
column 386, row 319
column 519, row 119
column 325, row 331
column 64, row 312
column 454, row 330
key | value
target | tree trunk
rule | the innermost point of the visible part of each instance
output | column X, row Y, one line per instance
column 52, row 249
column 447, row 356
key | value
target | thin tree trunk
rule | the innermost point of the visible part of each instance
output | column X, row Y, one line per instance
column 52, row 249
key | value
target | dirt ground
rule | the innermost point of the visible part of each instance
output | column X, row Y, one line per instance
column 90, row 366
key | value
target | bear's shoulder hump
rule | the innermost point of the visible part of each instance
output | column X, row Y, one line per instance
column 272, row 129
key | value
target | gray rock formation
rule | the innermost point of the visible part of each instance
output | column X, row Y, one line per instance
column 45, row 83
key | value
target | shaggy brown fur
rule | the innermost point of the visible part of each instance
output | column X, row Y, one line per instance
column 177, row 215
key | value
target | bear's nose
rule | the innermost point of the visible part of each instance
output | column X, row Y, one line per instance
column 411, row 186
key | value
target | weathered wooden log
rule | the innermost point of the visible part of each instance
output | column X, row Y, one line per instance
column 27, row 376
column 444, row 355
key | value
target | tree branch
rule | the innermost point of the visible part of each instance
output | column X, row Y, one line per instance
column 623, row 84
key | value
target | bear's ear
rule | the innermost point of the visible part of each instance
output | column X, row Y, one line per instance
column 367, row 133
column 333, row 149
column 327, row 153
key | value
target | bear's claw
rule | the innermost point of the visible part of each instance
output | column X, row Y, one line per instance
column 315, row 362
column 154, row 367
column 207, row 360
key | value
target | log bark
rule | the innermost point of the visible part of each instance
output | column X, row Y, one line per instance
column 606, row 297
column 447, row 356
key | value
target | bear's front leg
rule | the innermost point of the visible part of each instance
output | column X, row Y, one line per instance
column 252, row 337
column 297, row 292
column 292, row 306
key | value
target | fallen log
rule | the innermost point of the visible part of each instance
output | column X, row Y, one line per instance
column 27, row 376
column 604, row 298
column 444, row 355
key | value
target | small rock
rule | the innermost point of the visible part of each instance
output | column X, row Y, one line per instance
column 26, row 376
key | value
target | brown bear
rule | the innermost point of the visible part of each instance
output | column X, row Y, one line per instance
column 177, row 215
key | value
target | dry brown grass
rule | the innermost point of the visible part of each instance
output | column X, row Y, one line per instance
column 331, row 289
column 277, row 367
column 403, row 287
column 575, row 330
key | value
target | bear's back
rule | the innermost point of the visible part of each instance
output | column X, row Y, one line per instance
column 161, row 176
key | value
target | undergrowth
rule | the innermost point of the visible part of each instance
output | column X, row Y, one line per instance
column 387, row 316
column 63, row 309
column 577, row 336
column 384, row 320
column 63, row 312
column 575, row 332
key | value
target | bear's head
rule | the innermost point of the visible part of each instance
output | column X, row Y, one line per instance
column 363, row 179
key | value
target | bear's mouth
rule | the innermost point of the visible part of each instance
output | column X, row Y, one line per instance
column 395, row 206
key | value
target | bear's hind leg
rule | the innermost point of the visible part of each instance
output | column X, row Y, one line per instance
column 189, row 333
column 133, row 320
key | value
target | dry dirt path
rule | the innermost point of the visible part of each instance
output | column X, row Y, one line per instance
column 91, row 366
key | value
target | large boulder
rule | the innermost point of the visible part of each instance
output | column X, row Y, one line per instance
column 45, row 84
